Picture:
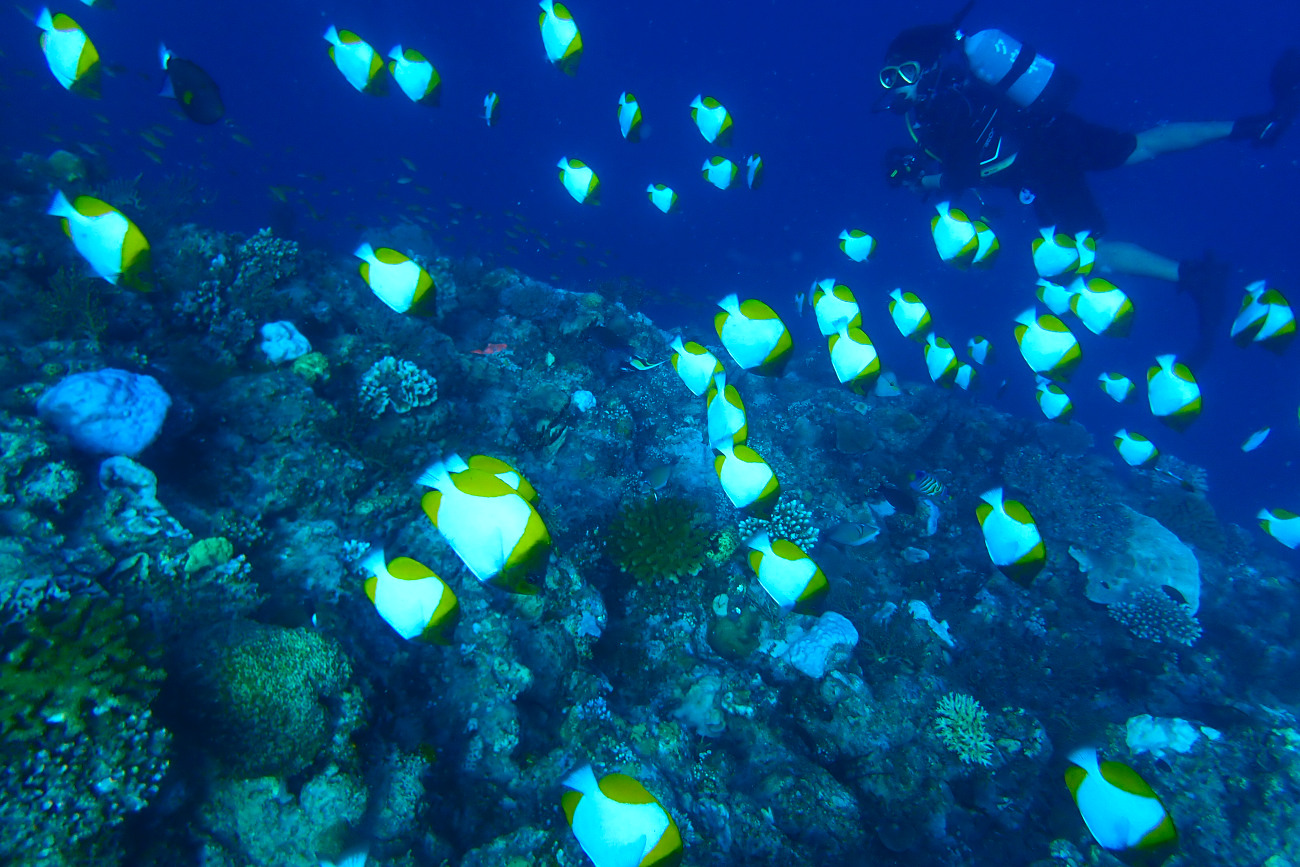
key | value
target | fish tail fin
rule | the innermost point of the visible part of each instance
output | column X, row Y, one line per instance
column 60, row 207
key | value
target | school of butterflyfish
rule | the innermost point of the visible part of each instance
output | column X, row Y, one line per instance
column 487, row 511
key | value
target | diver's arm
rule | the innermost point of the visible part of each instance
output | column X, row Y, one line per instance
column 932, row 182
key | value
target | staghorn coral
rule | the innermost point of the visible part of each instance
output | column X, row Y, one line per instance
column 658, row 538
column 959, row 721
column 80, row 749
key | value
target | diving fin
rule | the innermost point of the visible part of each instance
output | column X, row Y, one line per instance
column 1206, row 281
column 1284, row 82
column 1264, row 130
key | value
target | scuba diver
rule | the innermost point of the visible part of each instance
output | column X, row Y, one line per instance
column 983, row 110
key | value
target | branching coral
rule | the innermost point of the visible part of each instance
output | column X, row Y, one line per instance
column 72, row 306
column 654, row 539
column 1155, row 616
column 960, row 720
column 80, row 748
column 790, row 519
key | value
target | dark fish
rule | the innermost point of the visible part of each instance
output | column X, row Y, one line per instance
column 193, row 89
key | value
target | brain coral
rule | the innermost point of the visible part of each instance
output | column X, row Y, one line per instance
column 269, row 698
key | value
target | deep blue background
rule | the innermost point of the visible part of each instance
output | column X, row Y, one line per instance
column 799, row 80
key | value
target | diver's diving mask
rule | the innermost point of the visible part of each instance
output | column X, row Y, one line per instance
column 900, row 75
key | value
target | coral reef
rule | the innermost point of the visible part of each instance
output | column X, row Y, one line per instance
column 1157, row 617
column 396, row 385
column 81, row 749
column 270, row 699
column 299, row 727
column 790, row 519
column 960, row 723
column 655, row 539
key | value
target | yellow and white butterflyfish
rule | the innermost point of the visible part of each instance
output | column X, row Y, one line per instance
column 1056, row 255
column 1135, row 449
column 694, row 364
column 1265, row 318
column 415, row 75
column 411, row 598
column 629, row 116
column 397, row 280
column 1014, row 544
column 854, row 356
column 979, row 349
column 70, row 54
column 940, row 360
column 1056, row 296
column 1256, row 439
column 954, row 235
column 712, row 120
column 721, row 172
column 1053, row 400
column 1121, row 811
column 857, row 244
column 753, row 335
column 498, row 468
column 360, row 64
column 1117, row 386
column 580, row 181
column 1281, row 525
column 494, row 530
column 965, row 376
column 754, row 171
column 910, row 315
column 1047, row 345
column 988, row 245
column 618, row 823
column 114, row 246
column 746, row 478
column 1102, row 307
column 725, row 412
column 787, row 573
column 832, row 302
column 1173, row 393
column 560, row 36
column 662, row 197
column 491, row 104
column 1086, row 246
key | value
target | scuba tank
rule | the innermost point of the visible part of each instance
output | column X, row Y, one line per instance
column 1028, row 79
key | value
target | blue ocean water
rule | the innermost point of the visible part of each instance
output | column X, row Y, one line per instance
column 800, row 84
column 323, row 164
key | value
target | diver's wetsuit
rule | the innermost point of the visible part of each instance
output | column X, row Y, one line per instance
column 981, row 141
